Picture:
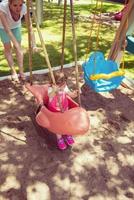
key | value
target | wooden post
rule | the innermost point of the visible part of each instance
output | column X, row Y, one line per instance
column 39, row 11
column 63, row 35
column 122, row 30
column 75, row 50
column 44, row 47
column 29, row 41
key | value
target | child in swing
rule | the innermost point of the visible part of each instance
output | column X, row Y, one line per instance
column 58, row 102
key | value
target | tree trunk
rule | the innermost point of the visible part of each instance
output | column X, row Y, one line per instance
column 59, row 2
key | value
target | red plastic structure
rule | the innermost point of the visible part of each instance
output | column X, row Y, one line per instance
column 118, row 16
column 74, row 121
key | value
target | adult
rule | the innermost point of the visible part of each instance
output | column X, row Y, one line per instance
column 11, row 13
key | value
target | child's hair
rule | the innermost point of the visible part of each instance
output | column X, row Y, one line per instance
column 10, row 1
column 60, row 78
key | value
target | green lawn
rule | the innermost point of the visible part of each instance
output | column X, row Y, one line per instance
column 51, row 29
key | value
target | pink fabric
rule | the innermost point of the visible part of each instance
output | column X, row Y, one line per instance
column 54, row 103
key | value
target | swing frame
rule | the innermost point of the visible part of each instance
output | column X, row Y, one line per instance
column 94, row 76
column 40, row 92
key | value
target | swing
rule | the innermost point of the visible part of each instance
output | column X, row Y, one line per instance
column 100, row 74
column 74, row 121
column 107, row 76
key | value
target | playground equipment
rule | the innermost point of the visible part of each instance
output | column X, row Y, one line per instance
column 74, row 121
column 105, row 76
column 125, row 25
column 118, row 16
column 129, row 38
column 130, row 44
column 130, row 34
column 116, row 49
column 101, row 74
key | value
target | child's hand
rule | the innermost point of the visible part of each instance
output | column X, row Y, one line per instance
column 54, row 91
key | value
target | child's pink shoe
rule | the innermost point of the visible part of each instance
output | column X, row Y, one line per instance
column 61, row 144
column 69, row 140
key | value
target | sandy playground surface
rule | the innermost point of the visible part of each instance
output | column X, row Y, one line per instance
column 100, row 165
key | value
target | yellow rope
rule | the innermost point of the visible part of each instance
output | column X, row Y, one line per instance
column 91, row 31
column 98, row 33
column 95, row 77
column 99, row 25
column 43, row 46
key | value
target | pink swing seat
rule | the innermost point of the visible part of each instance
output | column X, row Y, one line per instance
column 74, row 121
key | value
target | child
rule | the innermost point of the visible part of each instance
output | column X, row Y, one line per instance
column 11, row 13
column 58, row 102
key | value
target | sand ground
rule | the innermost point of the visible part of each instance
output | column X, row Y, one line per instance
column 100, row 165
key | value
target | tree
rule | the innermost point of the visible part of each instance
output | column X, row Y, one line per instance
column 59, row 2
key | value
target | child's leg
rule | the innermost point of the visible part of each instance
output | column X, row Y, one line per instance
column 60, row 142
column 69, row 140
column 58, row 136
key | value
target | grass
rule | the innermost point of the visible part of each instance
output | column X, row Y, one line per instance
column 51, row 29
